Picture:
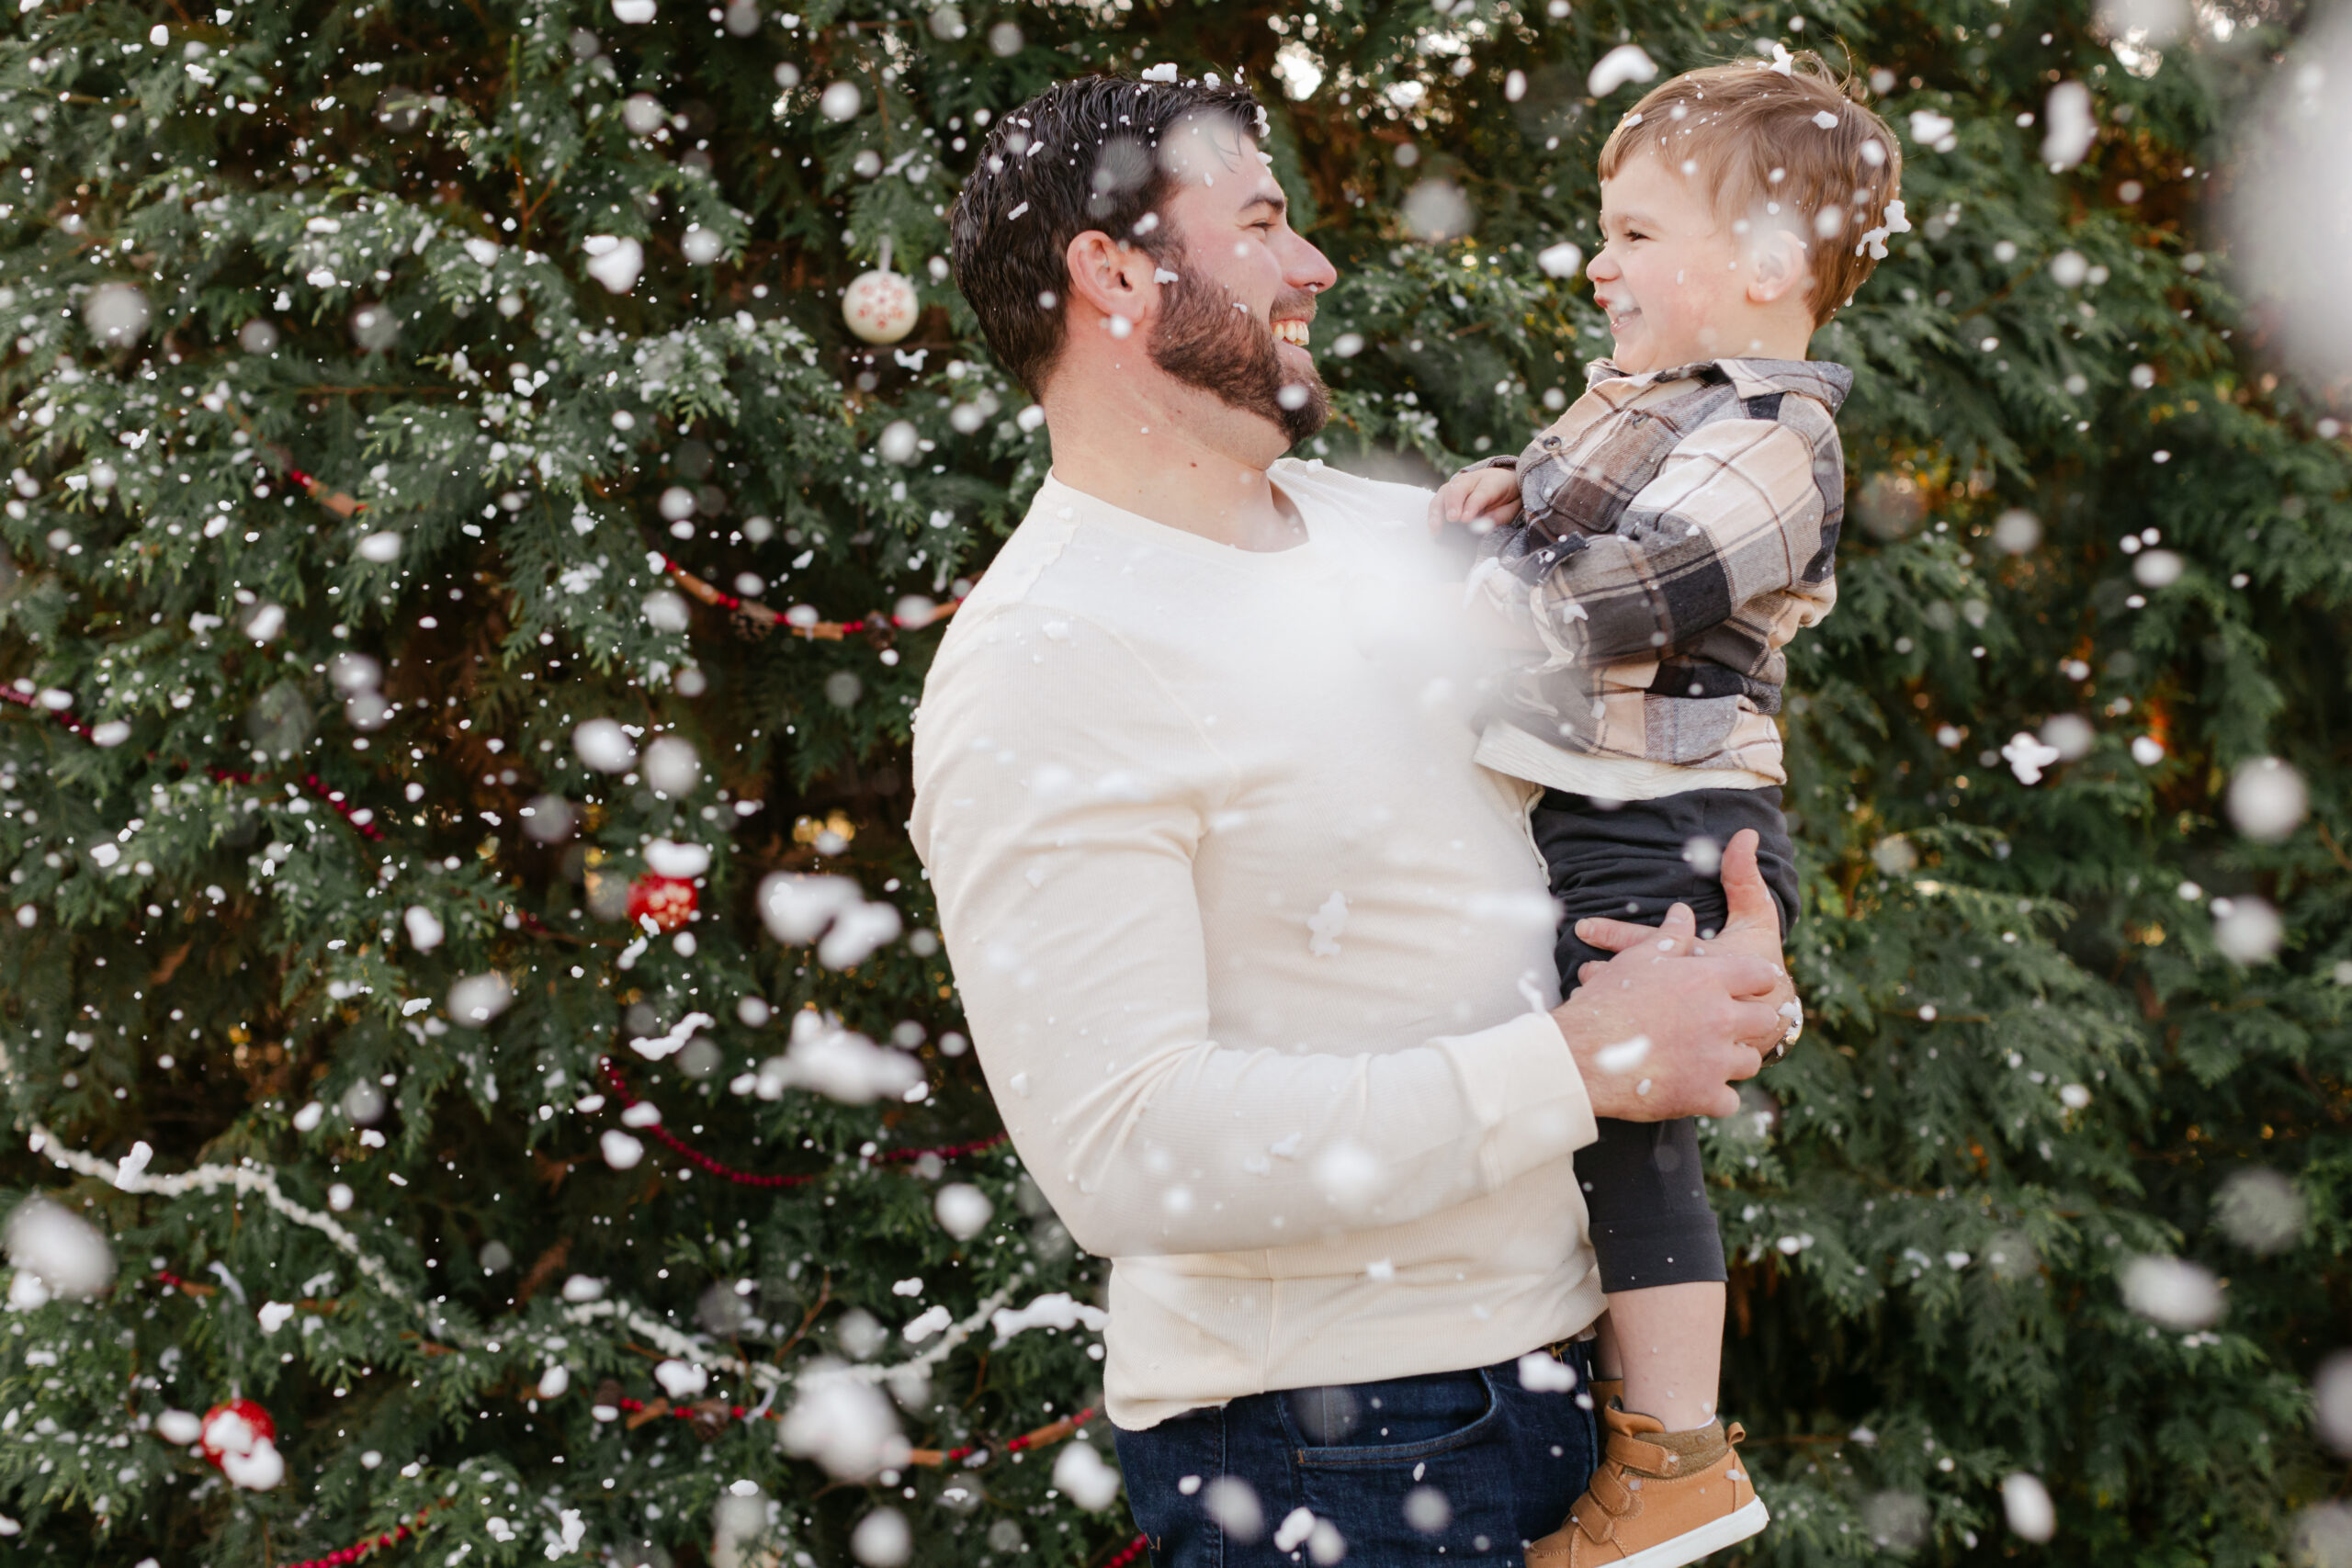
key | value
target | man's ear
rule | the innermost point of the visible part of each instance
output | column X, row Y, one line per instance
column 1776, row 265
column 1110, row 282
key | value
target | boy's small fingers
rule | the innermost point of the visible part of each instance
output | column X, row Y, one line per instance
column 1613, row 936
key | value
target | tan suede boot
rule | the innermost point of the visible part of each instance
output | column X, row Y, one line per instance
column 1648, row 1507
column 1607, row 1391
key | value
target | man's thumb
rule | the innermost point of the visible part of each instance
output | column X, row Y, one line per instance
column 1747, row 901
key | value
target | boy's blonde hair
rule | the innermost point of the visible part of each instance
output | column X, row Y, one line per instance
column 1784, row 138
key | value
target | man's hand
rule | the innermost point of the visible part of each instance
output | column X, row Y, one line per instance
column 1484, row 499
column 1659, row 1033
column 1752, row 930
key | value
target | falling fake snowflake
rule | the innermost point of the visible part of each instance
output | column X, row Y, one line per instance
column 2027, row 756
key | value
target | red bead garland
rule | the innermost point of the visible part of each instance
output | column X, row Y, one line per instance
column 351, row 1554
column 10, row 693
column 725, row 1172
column 343, row 808
column 358, row 1550
column 816, row 630
column 311, row 782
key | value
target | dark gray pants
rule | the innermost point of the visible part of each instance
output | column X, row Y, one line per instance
column 1644, row 1189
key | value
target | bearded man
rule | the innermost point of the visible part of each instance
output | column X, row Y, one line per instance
column 1257, row 960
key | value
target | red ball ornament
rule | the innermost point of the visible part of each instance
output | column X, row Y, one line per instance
column 667, row 901
column 233, row 1427
column 240, row 1440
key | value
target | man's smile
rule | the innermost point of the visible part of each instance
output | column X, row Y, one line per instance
column 1292, row 332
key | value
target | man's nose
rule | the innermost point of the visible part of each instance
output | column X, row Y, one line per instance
column 1308, row 268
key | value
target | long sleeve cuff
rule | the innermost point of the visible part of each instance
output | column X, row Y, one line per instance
column 1522, row 1085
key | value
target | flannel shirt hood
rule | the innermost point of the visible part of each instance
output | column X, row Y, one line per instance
column 1677, row 529
column 1824, row 382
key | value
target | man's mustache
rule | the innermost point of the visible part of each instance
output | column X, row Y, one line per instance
column 1298, row 305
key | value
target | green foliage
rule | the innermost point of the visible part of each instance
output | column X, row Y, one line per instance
column 368, row 399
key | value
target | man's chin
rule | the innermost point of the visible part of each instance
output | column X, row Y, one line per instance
column 1310, row 416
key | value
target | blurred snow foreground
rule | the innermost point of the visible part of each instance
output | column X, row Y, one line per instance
column 2291, row 212
column 842, row 1422
column 840, row 1063
column 797, row 907
column 57, row 1255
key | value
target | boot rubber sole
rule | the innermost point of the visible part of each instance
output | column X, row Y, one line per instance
column 1710, row 1536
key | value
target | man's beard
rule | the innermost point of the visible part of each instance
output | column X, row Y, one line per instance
column 1204, row 342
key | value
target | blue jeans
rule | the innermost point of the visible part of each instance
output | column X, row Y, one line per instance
column 1452, row 1466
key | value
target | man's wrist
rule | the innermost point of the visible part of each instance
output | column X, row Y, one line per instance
column 1607, row 1092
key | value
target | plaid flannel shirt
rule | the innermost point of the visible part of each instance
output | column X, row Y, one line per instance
column 1677, row 529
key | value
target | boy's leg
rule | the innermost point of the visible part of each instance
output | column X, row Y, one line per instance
column 1660, row 1251
column 1661, row 1254
column 1671, row 1489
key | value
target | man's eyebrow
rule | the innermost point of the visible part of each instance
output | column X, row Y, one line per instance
column 1275, row 199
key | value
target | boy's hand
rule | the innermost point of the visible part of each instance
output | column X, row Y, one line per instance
column 1484, row 499
column 1752, row 930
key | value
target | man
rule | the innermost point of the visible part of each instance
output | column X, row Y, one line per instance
column 1257, row 960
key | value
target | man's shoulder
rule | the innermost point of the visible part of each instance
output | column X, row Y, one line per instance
column 1344, row 499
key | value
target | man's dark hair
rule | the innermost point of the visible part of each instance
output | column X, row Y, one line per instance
column 1080, row 155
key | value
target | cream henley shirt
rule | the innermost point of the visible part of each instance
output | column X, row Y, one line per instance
column 1255, row 957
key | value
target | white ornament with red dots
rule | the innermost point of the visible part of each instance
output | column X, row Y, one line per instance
column 881, row 306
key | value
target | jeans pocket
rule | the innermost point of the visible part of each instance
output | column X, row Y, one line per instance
column 1450, row 1493
column 1465, row 1420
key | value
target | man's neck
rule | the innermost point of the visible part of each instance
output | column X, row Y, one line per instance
column 1188, row 462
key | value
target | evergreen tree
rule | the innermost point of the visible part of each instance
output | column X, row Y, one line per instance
column 465, row 594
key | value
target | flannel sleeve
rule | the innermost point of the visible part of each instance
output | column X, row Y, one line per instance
column 1733, row 513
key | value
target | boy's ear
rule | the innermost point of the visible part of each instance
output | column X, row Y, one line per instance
column 1778, row 265
column 1115, row 283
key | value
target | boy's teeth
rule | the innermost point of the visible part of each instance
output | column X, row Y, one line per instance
column 1292, row 333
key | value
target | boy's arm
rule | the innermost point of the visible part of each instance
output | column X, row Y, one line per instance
column 1736, row 511
column 1484, row 495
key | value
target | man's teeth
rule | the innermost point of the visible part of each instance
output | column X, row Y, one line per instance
column 1292, row 332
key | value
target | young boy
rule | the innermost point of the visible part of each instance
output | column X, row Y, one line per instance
column 1657, row 547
